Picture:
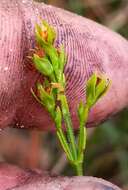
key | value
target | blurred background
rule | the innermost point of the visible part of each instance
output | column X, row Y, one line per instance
column 106, row 155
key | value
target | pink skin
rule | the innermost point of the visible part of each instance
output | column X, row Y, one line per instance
column 90, row 47
column 12, row 177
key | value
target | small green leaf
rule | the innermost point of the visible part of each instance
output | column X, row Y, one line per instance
column 63, row 80
column 52, row 54
column 90, row 89
column 83, row 112
column 80, row 111
column 58, row 117
column 64, row 104
column 62, row 58
column 64, row 145
column 43, row 65
column 62, row 62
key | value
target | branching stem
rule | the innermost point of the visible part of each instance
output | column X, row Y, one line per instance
column 51, row 65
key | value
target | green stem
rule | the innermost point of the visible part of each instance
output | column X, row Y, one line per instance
column 68, row 122
column 82, row 134
column 79, row 169
column 64, row 144
column 95, row 89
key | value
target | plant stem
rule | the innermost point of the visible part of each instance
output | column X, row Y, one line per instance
column 64, row 144
column 51, row 65
column 68, row 122
column 79, row 169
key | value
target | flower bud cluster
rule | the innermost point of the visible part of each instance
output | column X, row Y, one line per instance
column 50, row 62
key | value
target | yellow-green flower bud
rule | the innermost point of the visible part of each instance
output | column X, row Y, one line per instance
column 96, row 87
column 46, row 99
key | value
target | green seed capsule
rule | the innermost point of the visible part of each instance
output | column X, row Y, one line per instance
column 102, row 88
column 96, row 87
column 46, row 99
column 43, row 65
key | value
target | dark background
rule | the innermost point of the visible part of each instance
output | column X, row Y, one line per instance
column 107, row 147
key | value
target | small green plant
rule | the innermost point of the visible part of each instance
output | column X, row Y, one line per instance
column 50, row 62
